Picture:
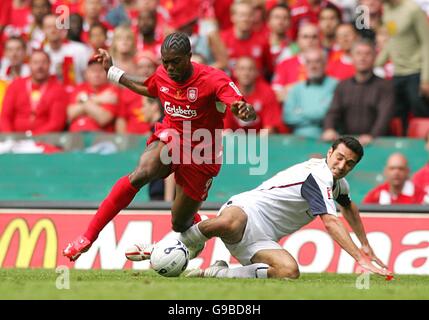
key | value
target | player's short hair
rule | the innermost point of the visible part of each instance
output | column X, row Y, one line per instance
column 351, row 143
column 178, row 42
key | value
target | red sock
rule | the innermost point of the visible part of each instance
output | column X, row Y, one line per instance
column 121, row 195
column 197, row 218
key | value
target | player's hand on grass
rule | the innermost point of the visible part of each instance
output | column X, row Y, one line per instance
column 367, row 265
column 243, row 110
column 367, row 251
column 104, row 57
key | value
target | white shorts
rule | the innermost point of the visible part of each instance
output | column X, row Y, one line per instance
column 254, row 239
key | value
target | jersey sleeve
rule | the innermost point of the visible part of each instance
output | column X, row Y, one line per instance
column 343, row 197
column 226, row 90
column 152, row 85
column 317, row 190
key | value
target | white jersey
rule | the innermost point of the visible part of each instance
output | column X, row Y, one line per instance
column 294, row 197
column 78, row 55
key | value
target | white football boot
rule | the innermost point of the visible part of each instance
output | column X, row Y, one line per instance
column 210, row 272
column 139, row 252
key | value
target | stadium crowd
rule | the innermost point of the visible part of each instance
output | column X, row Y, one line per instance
column 313, row 68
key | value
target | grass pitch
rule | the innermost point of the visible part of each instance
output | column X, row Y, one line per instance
column 147, row 285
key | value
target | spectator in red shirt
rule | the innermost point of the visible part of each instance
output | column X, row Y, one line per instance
column 68, row 58
column 75, row 32
column 224, row 20
column 329, row 20
column 279, row 20
column 34, row 33
column 138, row 114
column 95, row 103
column 35, row 104
column 421, row 177
column 258, row 93
column 13, row 65
column 397, row 189
column 340, row 64
column 147, row 38
column 94, row 13
column 292, row 70
column 306, row 11
column 242, row 40
column 209, row 45
column 97, row 37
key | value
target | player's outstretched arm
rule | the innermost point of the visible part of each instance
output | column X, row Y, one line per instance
column 352, row 216
column 338, row 232
column 243, row 110
column 118, row 75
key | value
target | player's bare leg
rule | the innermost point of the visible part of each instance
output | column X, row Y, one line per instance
column 150, row 167
column 281, row 263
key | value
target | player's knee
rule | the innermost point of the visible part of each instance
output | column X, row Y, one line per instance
column 145, row 172
column 230, row 226
column 284, row 271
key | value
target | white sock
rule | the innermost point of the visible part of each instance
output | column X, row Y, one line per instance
column 256, row 270
column 192, row 236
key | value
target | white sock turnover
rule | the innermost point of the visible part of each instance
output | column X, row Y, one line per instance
column 256, row 270
column 192, row 236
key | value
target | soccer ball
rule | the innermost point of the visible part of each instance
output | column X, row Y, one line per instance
column 169, row 257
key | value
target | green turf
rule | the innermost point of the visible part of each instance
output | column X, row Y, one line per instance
column 96, row 284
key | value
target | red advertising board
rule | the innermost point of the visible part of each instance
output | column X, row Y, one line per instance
column 35, row 238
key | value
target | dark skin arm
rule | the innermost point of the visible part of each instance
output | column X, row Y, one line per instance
column 241, row 109
column 126, row 80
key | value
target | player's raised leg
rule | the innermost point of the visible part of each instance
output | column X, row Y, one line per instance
column 123, row 192
column 183, row 215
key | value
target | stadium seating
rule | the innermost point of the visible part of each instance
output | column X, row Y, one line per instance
column 82, row 176
column 418, row 127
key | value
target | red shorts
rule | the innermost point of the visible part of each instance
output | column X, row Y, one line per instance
column 195, row 179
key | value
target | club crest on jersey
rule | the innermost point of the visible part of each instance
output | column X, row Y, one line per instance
column 192, row 94
column 164, row 89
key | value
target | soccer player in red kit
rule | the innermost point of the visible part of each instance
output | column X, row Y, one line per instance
column 189, row 93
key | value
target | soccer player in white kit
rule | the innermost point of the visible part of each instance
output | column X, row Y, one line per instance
column 251, row 223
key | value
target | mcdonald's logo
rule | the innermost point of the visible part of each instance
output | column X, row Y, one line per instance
column 28, row 240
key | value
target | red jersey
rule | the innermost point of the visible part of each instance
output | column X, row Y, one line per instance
column 131, row 110
column 193, row 104
column 410, row 194
column 268, row 110
column 85, row 122
column 256, row 46
column 421, row 178
column 340, row 66
column 289, row 71
column 221, row 10
column 36, row 108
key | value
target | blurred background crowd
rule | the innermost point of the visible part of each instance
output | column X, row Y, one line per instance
column 311, row 68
